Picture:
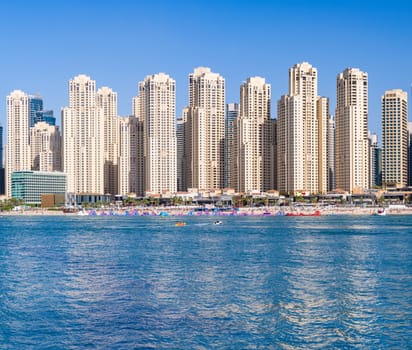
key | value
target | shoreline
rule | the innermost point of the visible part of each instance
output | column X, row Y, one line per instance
column 191, row 211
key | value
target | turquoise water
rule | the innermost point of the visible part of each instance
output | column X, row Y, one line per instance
column 250, row 283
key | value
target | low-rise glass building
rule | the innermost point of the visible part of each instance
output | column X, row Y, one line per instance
column 30, row 185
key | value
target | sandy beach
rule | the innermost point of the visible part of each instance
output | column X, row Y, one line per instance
column 195, row 211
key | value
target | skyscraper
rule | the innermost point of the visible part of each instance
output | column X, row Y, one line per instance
column 35, row 105
column 331, row 154
column 206, row 125
column 2, row 189
column 352, row 156
column 182, row 165
column 45, row 146
column 302, row 134
column 378, row 166
column 137, row 147
column 253, row 137
column 18, row 155
column 157, row 94
column 395, row 138
column 373, row 146
column 130, row 156
column 45, row 116
column 107, row 102
column 410, row 154
column 83, row 138
column 232, row 113
column 1, row 146
column 323, row 120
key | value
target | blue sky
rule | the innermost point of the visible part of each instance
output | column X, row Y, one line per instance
column 117, row 43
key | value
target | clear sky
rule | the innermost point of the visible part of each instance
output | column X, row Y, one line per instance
column 117, row 43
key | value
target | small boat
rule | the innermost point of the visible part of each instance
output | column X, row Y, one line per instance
column 218, row 222
column 180, row 223
column 381, row 212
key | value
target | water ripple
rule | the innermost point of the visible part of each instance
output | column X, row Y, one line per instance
column 251, row 283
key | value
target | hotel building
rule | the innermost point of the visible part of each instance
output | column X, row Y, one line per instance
column 107, row 102
column 83, row 138
column 130, row 156
column 302, row 134
column 18, row 156
column 31, row 185
column 205, row 128
column 352, row 151
column 157, row 100
column 45, row 146
column 253, row 137
column 395, row 138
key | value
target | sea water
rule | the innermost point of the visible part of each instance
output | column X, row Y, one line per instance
column 250, row 283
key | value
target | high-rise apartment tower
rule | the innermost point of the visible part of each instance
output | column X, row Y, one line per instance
column 395, row 138
column 352, row 151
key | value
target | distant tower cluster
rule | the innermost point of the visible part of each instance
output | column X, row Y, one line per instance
column 213, row 145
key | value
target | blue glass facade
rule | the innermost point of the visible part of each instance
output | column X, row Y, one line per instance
column 30, row 185
column 45, row 116
column 378, row 166
column 2, row 185
column 1, row 147
column 35, row 105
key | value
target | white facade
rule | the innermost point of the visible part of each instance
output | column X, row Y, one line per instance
column 45, row 145
column 395, row 138
column 323, row 145
column 206, row 119
column 331, row 154
column 130, row 170
column 107, row 102
column 18, row 156
column 302, row 134
column 352, row 156
column 289, row 148
column 252, row 132
column 158, row 112
column 83, row 138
